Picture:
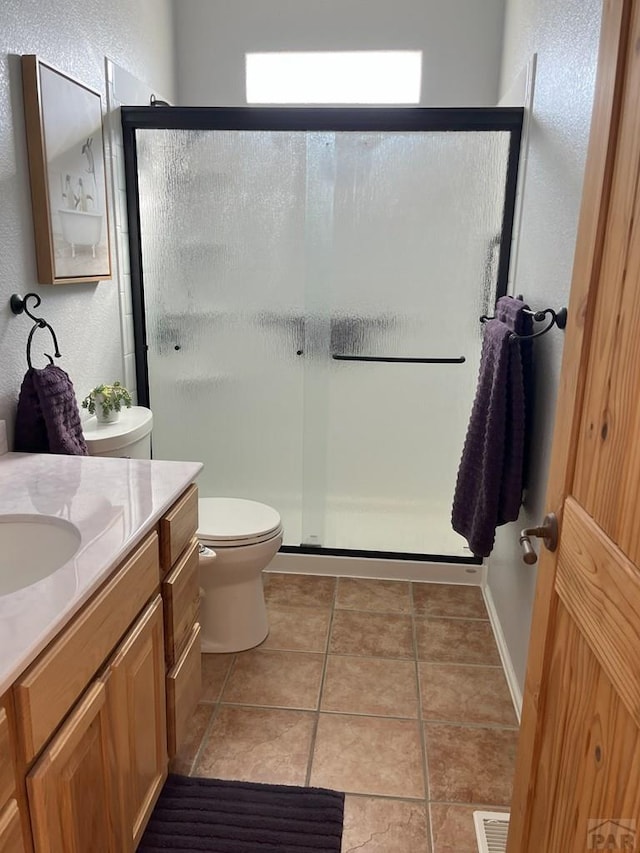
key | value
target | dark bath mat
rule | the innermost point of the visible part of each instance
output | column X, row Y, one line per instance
column 243, row 817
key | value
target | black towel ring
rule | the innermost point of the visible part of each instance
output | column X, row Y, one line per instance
column 18, row 305
column 43, row 325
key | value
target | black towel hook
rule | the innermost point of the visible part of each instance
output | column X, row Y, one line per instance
column 18, row 306
column 558, row 318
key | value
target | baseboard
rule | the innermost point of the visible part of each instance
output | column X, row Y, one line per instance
column 503, row 649
column 367, row 567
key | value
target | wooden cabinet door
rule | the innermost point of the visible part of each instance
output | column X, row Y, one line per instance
column 73, row 793
column 137, row 697
column 7, row 778
column 577, row 785
column 11, row 829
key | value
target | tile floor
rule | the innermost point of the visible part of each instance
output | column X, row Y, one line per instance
column 390, row 691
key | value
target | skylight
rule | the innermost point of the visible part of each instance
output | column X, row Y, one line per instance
column 334, row 77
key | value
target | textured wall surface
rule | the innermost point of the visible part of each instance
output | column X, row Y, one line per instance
column 565, row 35
column 461, row 40
column 74, row 36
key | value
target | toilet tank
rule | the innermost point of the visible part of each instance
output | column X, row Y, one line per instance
column 128, row 438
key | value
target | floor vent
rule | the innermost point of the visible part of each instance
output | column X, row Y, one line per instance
column 491, row 831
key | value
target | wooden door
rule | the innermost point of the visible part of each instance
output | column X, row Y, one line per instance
column 138, row 710
column 72, row 788
column 577, row 785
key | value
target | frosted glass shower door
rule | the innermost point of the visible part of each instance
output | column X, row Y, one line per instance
column 311, row 316
column 417, row 219
column 223, row 245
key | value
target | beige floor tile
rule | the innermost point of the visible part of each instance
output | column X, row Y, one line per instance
column 200, row 719
column 367, row 755
column 357, row 685
column 370, row 671
column 379, row 595
column 373, row 825
column 470, row 765
column 456, row 641
column 298, row 590
column 371, row 634
column 281, row 679
column 258, row 745
column 453, row 600
column 215, row 668
column 465, row 694
column 298, row 629
column 453, row 829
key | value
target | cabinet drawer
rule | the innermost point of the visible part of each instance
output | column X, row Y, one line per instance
column 177, row 527
column 184, row 688
column 50, row 687
column 10, row 829
column 7, row 781
column 181, row 594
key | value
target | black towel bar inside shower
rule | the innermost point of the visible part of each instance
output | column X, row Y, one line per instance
column 398, row 360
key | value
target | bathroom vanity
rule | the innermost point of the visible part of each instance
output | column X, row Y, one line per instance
column 100, row 660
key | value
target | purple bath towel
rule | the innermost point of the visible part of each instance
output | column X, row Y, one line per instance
column 489, row 486
column 512, row 313
column 47, row 420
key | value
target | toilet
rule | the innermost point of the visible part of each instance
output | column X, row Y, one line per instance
column 241, row 538
column 238, row 538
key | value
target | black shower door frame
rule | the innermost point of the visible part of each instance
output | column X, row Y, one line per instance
column 329, row 119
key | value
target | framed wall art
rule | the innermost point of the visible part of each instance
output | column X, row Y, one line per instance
column 63, row 121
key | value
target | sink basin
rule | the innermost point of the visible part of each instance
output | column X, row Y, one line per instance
column 32, row 547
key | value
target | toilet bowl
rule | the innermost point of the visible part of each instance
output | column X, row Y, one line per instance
column 244, row 536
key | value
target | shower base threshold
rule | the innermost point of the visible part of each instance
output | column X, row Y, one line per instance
column 427, row 569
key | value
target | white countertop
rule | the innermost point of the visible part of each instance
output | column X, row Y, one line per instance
column 112, row 502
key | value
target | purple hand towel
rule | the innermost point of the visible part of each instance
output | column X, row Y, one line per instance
column 47, row 420
column 489, row 485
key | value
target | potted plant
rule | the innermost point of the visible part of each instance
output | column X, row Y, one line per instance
column 106, row 401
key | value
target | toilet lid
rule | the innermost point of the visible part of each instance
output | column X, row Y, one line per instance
column 230, row 520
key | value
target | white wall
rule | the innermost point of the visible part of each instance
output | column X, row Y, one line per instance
column 461, row 40
column 75, row 36
column 462, row 43
column 565, row 35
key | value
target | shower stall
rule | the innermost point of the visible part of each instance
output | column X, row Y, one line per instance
column 307, row 286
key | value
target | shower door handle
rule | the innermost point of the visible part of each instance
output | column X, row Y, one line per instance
column 397, row 359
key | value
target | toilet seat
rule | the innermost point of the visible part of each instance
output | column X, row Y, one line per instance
column 234, row 522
